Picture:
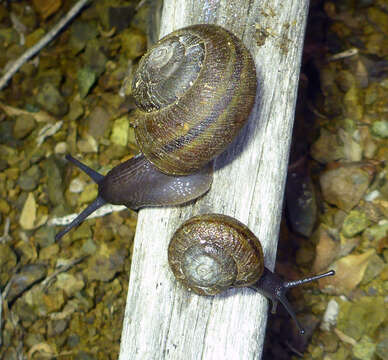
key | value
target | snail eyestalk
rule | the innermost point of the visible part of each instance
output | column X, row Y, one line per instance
column 275, row 288
column 97, row 203
column 94, row 175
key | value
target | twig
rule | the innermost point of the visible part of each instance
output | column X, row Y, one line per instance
column 42, row 43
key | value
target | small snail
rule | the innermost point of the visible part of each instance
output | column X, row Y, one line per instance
column 194, row 90
column 210, row 253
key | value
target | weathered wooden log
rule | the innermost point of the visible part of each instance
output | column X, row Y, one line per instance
column 162, row 319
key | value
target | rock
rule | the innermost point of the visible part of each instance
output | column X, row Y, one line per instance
column 77, row 186
column 375, row 267
column 345, row 186
column 27, row 276
column 29, row 179
column 49, row 252
column 98, row 122
column 88, row 194
column 7, row 263
column 119, row 134
column 46, row 8
column 34, row 37
column 4, row 207
column 70, row 284
column 94, row 57
column 380, row 129
column 120, row 16
column 80, row 33
column 133, row 43
column 359, row 318
column 53, row 299
column 106, row 262
column 23, row 126
column 353, row 107
column 50, row 99
column 76, row 111
column 364, row 349
column 56, row 327
column 354, row 223
column 61, row 148
column 45, row 236
column 327, row 148
column 28, row 216
column 349, row 271
column 382, row 345
column 326, row 249
column 88, row 144
column 54, row 181
column 86, row 78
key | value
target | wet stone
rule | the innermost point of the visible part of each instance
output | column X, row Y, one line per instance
column 375, row 267
column 104, row 264
column 27, row 276
column 29, row 179
column 349, row 270
column 54, row 182
column 120, row 131
column 7, row 263
column 364, row 349
column 45, row 236
column 344, row 186
column 24, row 124
column 380, row 129
column 355, row 223
column 94, row 57
column 80, row 33
column 362, row 317
column 133, row 43
column 4, row 207
column 50, row 99
column 76, row 111
column 69, row 283
column 48, row 252
column 56, row 327
column 98, row 122
column 86, row 77
column 327, row 148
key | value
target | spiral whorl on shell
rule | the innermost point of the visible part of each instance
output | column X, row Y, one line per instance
column 212, row 252
column 195, row 89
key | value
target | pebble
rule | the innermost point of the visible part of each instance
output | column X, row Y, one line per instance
column 28, row 216
column 29, row 179
column 24, row 124
column 345, row 186
column 28, row 275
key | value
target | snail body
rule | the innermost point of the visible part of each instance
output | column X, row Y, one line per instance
column 211, row 253
column 194, row 90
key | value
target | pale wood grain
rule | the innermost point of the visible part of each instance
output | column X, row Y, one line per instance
column 162, row 319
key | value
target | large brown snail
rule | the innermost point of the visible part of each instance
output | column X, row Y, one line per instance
column 194, row 90
column 210, row 253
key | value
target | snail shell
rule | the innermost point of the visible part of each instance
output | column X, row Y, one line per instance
column 211, row 253
column 194, row 89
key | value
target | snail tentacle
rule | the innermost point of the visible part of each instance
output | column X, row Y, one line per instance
column 94, row 175
column 96, row 204
column 275, row 288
